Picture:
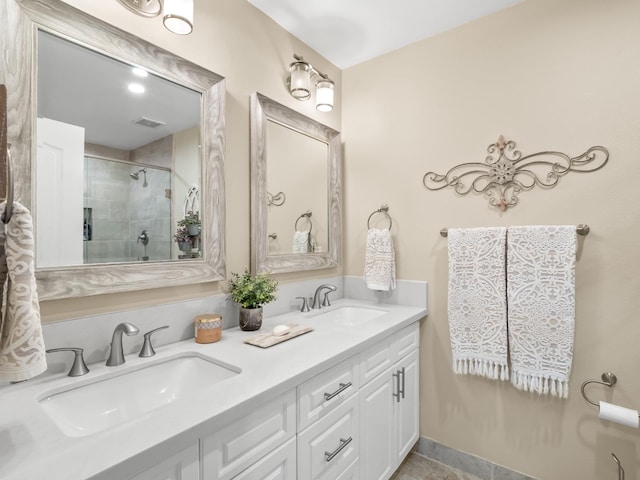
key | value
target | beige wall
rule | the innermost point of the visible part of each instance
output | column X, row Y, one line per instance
column 548, row 74
column 237, row 41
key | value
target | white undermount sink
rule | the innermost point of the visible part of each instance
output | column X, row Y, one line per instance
column 118, row 397
column 351, row 316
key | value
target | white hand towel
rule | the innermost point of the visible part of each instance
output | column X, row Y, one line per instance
column 301, row 242
column 541, row 296
column 477, row 301
column 380, row 261
column 22, row 350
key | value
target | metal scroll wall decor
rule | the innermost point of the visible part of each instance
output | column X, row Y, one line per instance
column 276, row 200
column 505, row 172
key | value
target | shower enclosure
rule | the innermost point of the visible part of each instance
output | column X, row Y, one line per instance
column 121, row 201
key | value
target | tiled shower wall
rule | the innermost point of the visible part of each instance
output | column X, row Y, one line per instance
column 121, row 208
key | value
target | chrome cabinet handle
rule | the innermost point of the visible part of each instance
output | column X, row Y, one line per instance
column 343, row 387
column 328, row 456
column 398, row 389
column 147, row 348
column 401, row 372
column 78, row 368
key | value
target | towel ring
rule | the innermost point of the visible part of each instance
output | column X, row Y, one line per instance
column 384, row 209
column 306, row 215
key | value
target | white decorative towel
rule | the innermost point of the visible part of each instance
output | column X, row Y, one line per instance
column 380, row 261
column 541, row 295
column 22, row 350
column 301, row 242
column 477, row 301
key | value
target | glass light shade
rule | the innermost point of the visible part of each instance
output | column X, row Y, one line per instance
column 324, row 95
column 300, row 80
column 178, row 16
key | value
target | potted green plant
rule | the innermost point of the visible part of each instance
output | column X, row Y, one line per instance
column 183, row 239
column 251, row 292
column 191, row 222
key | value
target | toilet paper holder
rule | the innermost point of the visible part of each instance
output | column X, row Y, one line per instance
column 608, row 380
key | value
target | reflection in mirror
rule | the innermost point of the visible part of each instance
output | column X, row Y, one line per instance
column 295, row 190
column 129, row 194
column 297, row 168
column 117, row 151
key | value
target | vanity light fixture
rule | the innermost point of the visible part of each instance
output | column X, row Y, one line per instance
column 301, row 73
column 177, row 15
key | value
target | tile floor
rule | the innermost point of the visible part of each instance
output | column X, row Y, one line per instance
column 417, row 467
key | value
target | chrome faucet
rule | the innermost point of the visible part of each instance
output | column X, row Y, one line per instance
column 316, row 296
column 116, row 357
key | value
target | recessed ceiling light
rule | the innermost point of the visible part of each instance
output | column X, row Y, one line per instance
column 136, row 88
column 139, row 72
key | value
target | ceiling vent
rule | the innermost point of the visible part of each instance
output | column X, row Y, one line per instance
column 147, row 122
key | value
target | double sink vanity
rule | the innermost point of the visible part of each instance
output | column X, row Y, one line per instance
column 339, row 402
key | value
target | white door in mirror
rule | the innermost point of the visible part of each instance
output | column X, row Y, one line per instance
column 280, row 330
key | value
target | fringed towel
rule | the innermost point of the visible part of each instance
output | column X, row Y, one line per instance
column 302, row 242
column 22, row 350
column 380, row 261
column 477, row 301
column 541, row 295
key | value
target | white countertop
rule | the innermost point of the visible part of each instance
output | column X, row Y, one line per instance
column 32, row 447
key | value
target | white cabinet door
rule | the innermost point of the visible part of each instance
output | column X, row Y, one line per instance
column 181, row 466
column 389, row 424
column 277, row 465
column 407, row 409
column 377, row 428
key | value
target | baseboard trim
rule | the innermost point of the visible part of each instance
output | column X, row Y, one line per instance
column 466, row 462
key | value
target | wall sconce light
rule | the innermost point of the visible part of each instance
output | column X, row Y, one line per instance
column 301, row 73
column 177, row 15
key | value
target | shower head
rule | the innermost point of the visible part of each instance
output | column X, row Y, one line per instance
column 136, row 175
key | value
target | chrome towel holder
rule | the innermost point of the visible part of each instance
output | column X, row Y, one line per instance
column 306, row 215
column 384, row 209
column 581, row 229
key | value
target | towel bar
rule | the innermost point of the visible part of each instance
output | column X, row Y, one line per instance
column 581, row 229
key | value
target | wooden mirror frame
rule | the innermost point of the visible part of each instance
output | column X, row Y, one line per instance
column 21, row 20
column 263, row 109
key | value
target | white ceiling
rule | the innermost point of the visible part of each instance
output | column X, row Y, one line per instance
column 84, row 88
column 348, row 32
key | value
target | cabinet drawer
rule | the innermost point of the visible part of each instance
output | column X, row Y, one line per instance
column 323, row 393
column 229, row 451
column 277, row 465
column 329, row 446
column 406, row 341
column 377, row 359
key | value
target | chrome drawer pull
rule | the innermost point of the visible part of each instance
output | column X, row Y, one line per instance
column 343, row 443
column 397, row 395
column 343, row 387
column 401, row 372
